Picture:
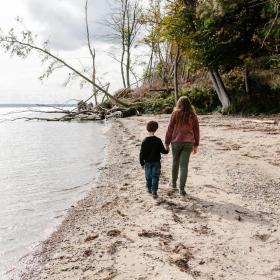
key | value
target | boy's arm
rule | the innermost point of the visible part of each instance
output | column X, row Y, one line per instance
column 141, row 155
column 162, row 148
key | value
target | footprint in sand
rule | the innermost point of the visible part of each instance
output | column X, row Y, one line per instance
column 262, row 237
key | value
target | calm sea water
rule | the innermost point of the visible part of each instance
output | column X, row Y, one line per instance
column 45, row 167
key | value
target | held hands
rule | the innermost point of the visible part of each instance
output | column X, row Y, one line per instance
column 167, row 148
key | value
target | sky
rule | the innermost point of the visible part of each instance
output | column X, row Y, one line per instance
column 62, row 23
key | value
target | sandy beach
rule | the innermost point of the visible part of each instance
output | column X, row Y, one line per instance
column 227, row 227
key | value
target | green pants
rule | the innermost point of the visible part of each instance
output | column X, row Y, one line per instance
column 181, row 154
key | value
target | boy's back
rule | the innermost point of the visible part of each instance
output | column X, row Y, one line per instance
column 151, row 149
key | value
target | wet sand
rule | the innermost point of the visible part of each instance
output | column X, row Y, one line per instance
column 227, row 227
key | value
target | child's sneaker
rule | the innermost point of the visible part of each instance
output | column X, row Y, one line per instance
column 155, row 195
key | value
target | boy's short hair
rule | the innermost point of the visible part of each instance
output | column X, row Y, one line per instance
column 152, row 126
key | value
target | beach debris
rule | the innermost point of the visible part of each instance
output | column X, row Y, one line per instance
column 87, row 252
column 262, row 237
column 107, row 273
column 241, row 212
column 114, row 247
column 176, row 218
column 91, row 237
column 152, row 234
column 181, row 261
column 83, row 112
column 239, row 218
column 120, row 213
column 113, row 232
column 181, row 258
column 179, row 248
column 203, row 229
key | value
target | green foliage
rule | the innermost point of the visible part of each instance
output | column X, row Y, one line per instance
column 204, row 100
column 262, row 99
column 152, row 106
column 159, row 105
column 222, row 33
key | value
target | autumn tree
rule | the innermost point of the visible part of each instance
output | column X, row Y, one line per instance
column 125, row 23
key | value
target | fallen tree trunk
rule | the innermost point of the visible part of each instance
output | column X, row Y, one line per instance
column 94, row 114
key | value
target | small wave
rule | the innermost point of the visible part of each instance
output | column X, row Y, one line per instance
column 28, row 210
column 58, row 217
column 72, row 189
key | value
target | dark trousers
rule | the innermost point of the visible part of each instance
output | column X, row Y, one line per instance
column 181, row 154
column 152, row 173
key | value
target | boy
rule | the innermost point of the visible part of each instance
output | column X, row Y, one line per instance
column 151, row 149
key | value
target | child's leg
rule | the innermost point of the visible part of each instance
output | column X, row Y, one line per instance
column 148, row 175
column 184, row 164
column 176, row 149
column 155, row 176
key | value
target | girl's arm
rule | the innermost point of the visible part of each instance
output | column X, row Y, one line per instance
column 169, row 131
column 196, row 131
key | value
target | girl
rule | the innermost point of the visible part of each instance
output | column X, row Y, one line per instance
column 183, row 134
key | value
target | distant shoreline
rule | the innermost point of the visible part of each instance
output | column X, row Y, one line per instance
column 35, row 105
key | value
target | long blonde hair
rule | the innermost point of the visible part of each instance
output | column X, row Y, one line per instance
column 183, row 111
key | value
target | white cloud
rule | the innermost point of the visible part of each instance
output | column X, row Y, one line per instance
column 63, row 22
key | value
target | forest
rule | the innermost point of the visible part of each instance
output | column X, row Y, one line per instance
column 223, row 55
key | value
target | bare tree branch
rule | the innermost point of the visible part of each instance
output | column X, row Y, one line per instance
column 21, row 48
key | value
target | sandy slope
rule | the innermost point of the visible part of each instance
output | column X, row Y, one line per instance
column 226, row 228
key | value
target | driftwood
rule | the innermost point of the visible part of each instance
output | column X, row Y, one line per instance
column 83, row 112
column 263, row 121
column 122, row 113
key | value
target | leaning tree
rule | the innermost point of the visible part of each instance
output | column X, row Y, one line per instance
column 23, row 43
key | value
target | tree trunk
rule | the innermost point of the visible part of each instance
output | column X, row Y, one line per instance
column 128, row 67
column 176, row 87
column 93, row 55
column 219, row 88
column 149, row 67
column 246, row 80
column 95, row 91
column 122, row 66
column 122, row 31
column 188, row 75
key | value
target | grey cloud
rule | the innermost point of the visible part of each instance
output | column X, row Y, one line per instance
column 64, row 21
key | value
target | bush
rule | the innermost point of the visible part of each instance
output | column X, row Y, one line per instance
column 160, row 105
column 152, row 106
column 262, row 98
column 204, row 100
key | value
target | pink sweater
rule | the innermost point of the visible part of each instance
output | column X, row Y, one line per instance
column 189, row 132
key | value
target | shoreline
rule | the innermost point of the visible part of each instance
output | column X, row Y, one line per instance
column 225, row 228
column 20, row 267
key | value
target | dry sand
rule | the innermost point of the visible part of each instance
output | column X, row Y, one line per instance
column 227, row 227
